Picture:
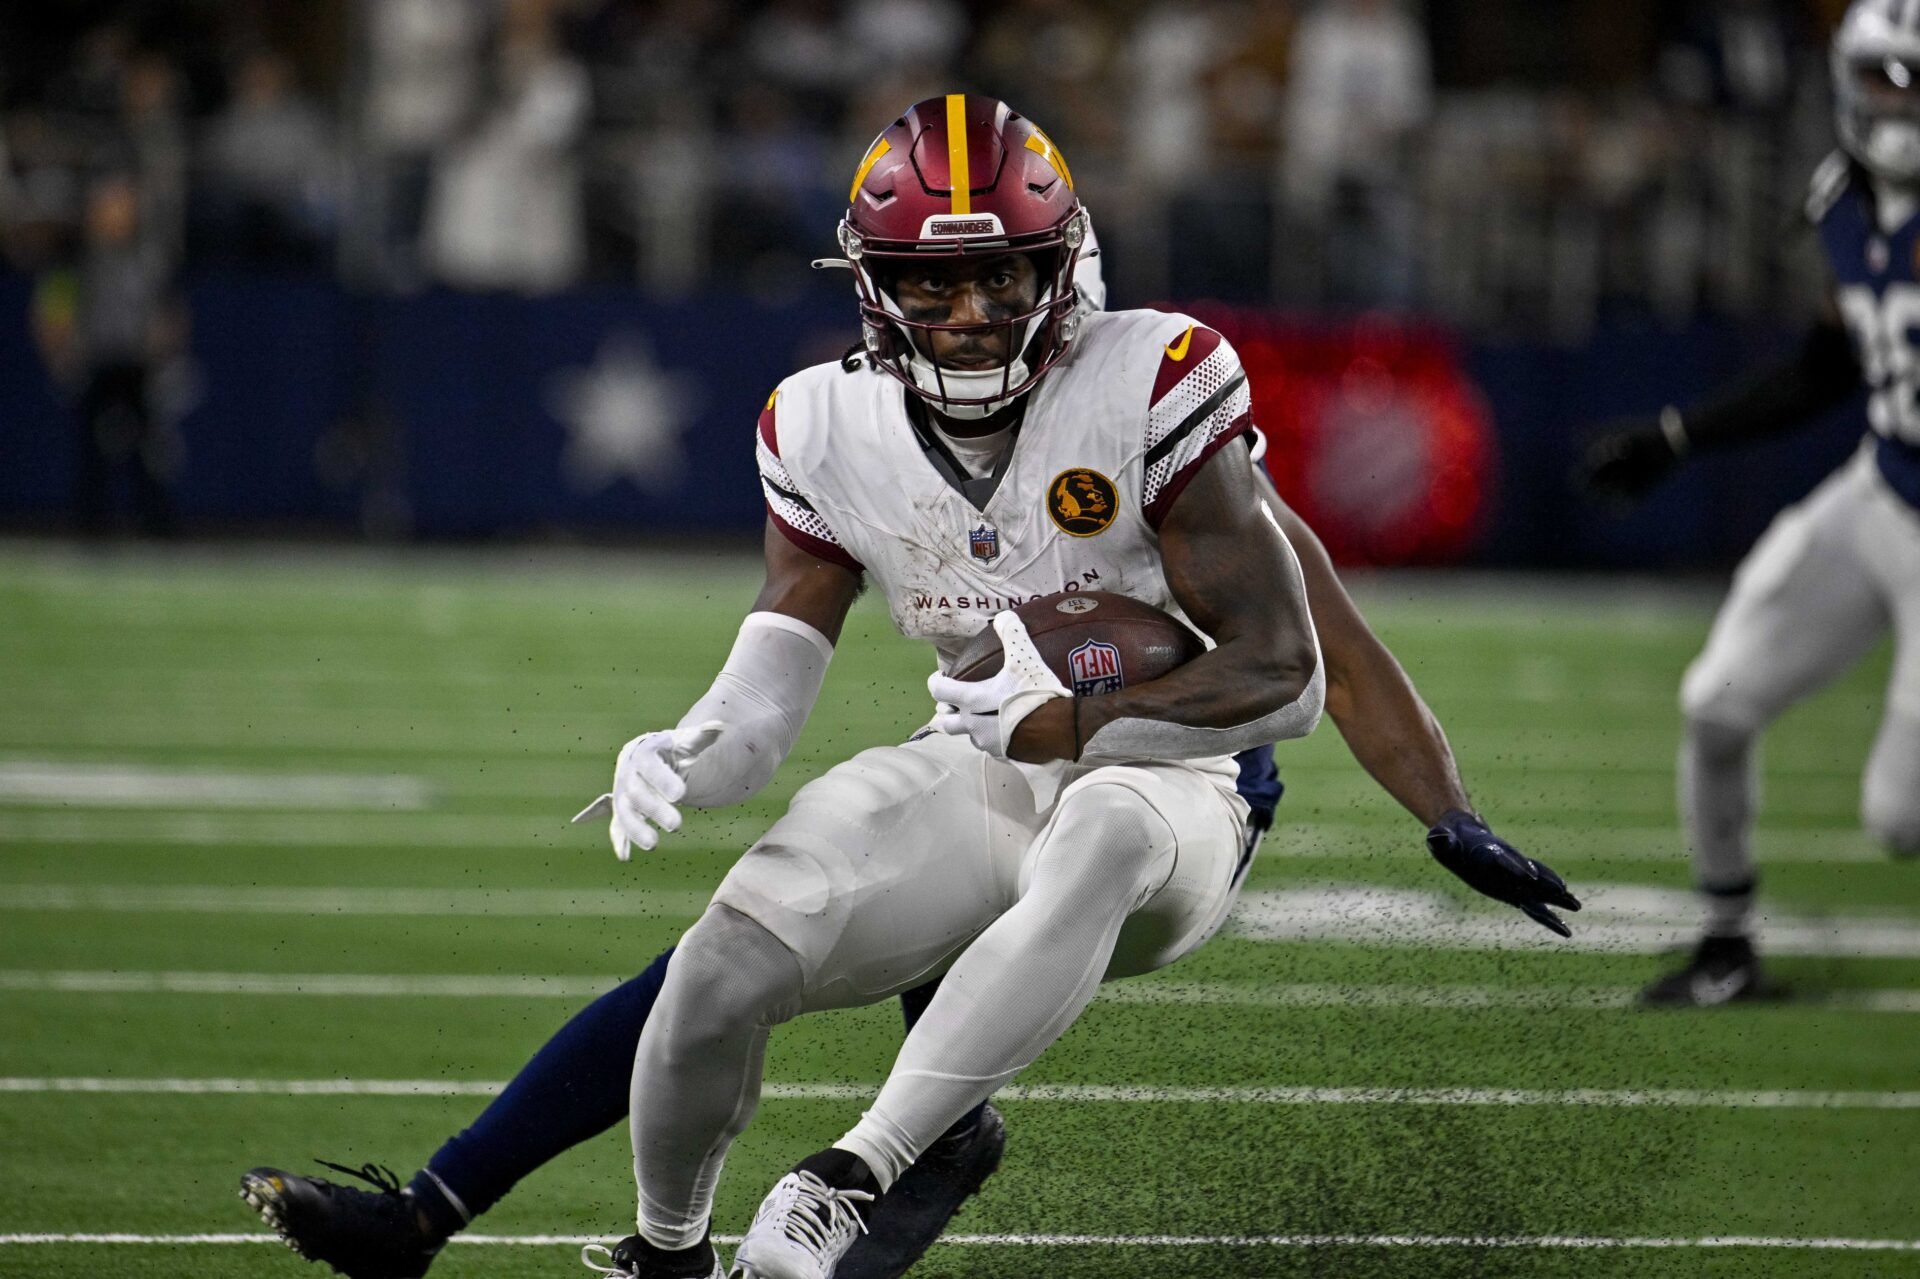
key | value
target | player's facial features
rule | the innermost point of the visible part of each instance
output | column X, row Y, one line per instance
column 1892, row 87
column 968, row 291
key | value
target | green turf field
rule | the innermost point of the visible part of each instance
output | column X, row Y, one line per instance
column 282, row 816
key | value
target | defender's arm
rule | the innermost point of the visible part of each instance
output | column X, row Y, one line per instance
column 1234, row 574
column 1398, row 741
column 1624, row 462
column 1386, row 724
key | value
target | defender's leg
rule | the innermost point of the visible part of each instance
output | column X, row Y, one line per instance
column 1804, row 607
column 1890, row 792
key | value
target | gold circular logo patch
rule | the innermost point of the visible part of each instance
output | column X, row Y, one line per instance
column 1082, row 502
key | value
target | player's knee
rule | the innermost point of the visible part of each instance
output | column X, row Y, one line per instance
column 1717, row 740
column 727, row 973
column 1106, row 836
column 1710, row 694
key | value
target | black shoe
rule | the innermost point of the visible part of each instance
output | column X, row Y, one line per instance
column 1723, row 970
column 363, row 1234
column 635, row 1258
column 905, row 1222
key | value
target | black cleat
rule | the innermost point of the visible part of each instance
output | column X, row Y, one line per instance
column 1723, row 970
column 903, row 1223
column 635, row 1258
column 363, row 1234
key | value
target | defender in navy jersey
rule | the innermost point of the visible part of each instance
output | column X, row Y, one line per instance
column 1837, row 570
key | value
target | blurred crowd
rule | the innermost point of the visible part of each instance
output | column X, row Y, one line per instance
column 1501, row 163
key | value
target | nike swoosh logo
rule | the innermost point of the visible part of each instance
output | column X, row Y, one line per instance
column 1177, row 350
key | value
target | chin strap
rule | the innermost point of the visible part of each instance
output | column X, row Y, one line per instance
column 943, row 386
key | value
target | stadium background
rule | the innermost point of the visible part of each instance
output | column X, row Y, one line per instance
column 480, row 298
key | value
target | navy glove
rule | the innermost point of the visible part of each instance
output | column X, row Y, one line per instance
column 1464, row 845
column 1622, row 465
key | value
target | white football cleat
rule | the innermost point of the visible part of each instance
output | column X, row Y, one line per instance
column 803, row 1229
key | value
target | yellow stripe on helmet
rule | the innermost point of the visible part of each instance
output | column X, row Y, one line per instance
column 1041, row 143
column 879, row 148
column 957, row 172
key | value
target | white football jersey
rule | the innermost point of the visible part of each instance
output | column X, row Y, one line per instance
column 1111, row 436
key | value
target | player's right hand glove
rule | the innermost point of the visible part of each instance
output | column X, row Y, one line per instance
column 648, row 780
column 989, row 711
column 1623, row 464
column 1464, row 845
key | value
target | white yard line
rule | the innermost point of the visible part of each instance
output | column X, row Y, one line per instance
column 1618, row 919
column 1151, row 993
column 247, row 831
column 1341, row 840
column 1633, row 1098
column 1312, row 995
column 1350, row 840
column 222, row 900
column 145, row 786
column 453, row 986
column 1810, row 1243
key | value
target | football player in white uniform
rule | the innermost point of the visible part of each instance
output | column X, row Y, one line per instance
column 1836, row 571
column 998, row 443
column 576, row 1086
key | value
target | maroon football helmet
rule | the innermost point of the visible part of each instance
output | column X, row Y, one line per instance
column 965, row 174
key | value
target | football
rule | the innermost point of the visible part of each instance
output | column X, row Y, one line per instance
column 1095, row 641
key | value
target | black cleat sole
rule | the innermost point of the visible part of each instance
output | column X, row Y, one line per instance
column 261, row 1190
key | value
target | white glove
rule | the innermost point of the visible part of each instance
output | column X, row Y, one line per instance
column 989, row 710
column 649, row 779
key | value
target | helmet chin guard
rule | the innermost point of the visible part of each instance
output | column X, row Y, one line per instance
column 965, row 176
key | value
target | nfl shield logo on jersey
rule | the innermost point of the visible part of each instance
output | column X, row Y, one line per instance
column 984, row 542
column 1096, row 669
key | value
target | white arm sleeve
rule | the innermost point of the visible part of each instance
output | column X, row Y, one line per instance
column 1123, row 739
column 763, row 695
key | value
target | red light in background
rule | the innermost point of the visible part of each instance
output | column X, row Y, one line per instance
column 1375, row 435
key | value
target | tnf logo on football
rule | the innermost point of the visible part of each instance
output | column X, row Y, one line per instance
column 1096, row 669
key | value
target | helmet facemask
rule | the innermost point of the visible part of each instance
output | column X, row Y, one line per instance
column 1035, row 338
column 1876, row 79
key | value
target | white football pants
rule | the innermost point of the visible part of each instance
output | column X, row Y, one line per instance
column 891, row 869
column 1819, row 589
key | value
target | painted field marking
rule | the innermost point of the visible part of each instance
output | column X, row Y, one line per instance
column 245, row 831
column 146, row 786
column 222, row 900
column 1632, row 1098
column 1352, row 840
column 1618, row 919
column 1557, row 999
column 1332, row 840
column 1149, row 993
column 452, row 986
column 1810, row 1243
